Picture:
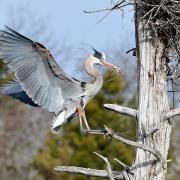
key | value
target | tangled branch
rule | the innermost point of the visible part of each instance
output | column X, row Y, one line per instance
column 163, row 16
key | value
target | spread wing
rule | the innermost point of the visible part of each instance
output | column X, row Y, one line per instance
column 36, row 70
column 15, row 90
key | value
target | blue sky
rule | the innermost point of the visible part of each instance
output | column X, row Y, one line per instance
column 66, row 20
column 67, row 23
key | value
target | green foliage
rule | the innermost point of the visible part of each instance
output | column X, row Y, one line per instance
column 72, row 148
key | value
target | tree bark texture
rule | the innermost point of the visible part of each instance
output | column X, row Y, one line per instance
column 153, row 102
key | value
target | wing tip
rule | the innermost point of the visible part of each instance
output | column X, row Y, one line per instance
column 10, row 30
column 7, row 27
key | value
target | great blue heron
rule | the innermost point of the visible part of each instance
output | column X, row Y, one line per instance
column 40, row 82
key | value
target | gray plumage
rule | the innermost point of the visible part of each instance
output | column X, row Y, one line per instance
column 15, row 90
column 36, row 71
column 41, row 82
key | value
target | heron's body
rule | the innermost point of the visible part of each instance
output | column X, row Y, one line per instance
column 40, row 82
column 88, row 92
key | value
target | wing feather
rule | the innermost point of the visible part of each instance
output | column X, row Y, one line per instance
column 37, row 71
column 14, row 90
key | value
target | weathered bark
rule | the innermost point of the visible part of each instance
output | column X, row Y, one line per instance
column 153, row 102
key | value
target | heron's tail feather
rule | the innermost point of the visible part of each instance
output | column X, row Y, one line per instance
column 58, row 121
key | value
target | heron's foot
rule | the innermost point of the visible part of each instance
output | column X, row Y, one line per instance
column 83, row 120
column 93, row 131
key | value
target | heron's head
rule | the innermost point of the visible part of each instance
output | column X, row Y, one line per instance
column 101, row 59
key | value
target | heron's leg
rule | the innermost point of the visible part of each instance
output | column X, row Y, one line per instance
column 82, row 117
column 85, row 120
column 80, row 121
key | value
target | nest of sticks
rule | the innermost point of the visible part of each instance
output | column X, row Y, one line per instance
column 164, row 16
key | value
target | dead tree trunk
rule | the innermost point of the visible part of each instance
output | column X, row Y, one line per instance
column 153, row 103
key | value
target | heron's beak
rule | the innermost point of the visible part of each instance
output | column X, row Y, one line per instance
column 109, row 65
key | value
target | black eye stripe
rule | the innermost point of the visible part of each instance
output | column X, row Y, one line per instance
column 98, row 55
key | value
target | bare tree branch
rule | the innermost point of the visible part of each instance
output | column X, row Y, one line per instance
column 88, row 171
column 122, row 110
column 172, row 113
column 111, row 177
column 127, row 168
column 132, row 143
column 127, row 172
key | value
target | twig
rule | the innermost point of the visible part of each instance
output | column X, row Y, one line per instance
column 158, row 9
column 108, row 165
column 133, row 50
column 115, row 7
column 127, row 168
column 96, row 11
column 119, row 5
column 122, row 110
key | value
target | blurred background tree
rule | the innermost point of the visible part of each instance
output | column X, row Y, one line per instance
column 72, row 148
column 20, row 134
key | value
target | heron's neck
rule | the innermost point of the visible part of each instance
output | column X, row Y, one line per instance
column 98, row 78
column 89, row 67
